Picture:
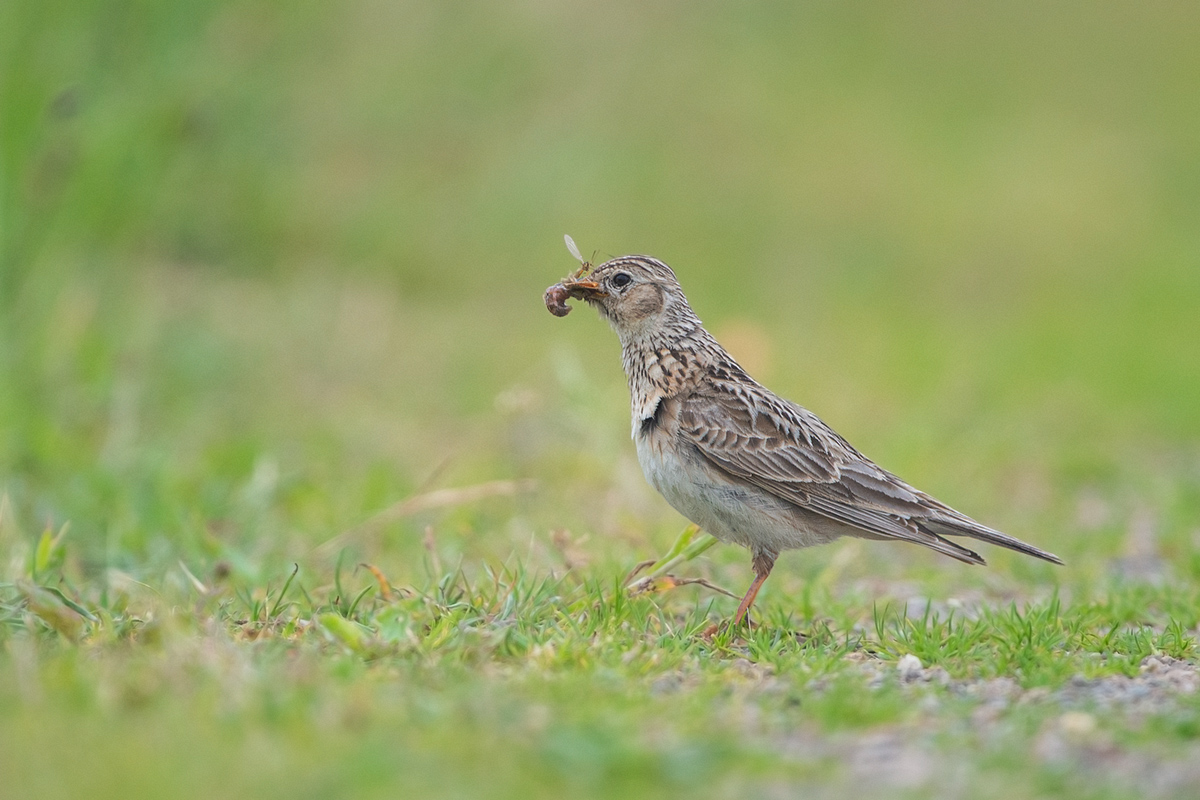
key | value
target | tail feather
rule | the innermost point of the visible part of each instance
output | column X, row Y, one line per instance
column 946, row 547
column 962, row 525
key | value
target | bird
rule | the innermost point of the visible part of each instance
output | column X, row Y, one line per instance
column 744, row 464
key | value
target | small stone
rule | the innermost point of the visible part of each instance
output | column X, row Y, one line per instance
column 1077, row 724
column 909, row 667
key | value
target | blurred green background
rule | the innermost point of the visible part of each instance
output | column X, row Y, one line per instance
column 268, row 268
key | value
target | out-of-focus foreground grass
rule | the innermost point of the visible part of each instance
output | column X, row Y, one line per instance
column 269, row 270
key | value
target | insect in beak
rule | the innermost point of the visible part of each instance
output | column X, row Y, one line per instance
column 583, row 288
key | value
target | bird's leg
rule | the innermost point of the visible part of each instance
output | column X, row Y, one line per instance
column 763, row 561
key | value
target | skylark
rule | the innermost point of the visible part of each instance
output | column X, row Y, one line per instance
column 744, row 464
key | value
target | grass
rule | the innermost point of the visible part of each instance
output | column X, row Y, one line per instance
column 518, row 683
column 270, row 283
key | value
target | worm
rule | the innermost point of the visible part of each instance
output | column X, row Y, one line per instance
column 556, row 300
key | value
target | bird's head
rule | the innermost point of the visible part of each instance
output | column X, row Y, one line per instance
column 638, row 295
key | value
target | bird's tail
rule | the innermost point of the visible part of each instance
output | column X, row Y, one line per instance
column 955, row 524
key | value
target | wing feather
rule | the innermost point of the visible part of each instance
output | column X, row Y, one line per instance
column 789, row 452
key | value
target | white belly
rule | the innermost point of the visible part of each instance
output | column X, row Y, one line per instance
column 730, row 511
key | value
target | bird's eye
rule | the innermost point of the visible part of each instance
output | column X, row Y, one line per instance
column 622, row 279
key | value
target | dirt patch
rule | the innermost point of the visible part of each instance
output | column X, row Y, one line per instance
column 1160, row 680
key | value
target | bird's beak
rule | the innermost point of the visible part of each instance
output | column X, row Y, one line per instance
column 583, row 288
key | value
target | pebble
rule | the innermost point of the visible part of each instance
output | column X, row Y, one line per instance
column 1156, row 687
column 1077, row 723
column 909, row 667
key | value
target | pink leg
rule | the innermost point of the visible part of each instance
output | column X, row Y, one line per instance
column 762, row 568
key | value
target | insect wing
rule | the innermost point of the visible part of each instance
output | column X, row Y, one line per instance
column 572, row 248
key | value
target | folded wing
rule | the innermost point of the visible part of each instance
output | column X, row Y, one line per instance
column 756, row 437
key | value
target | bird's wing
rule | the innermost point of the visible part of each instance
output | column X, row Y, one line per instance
column 789, row 452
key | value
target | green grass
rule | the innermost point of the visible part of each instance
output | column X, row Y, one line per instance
column 268, row 272
column 518, row 683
